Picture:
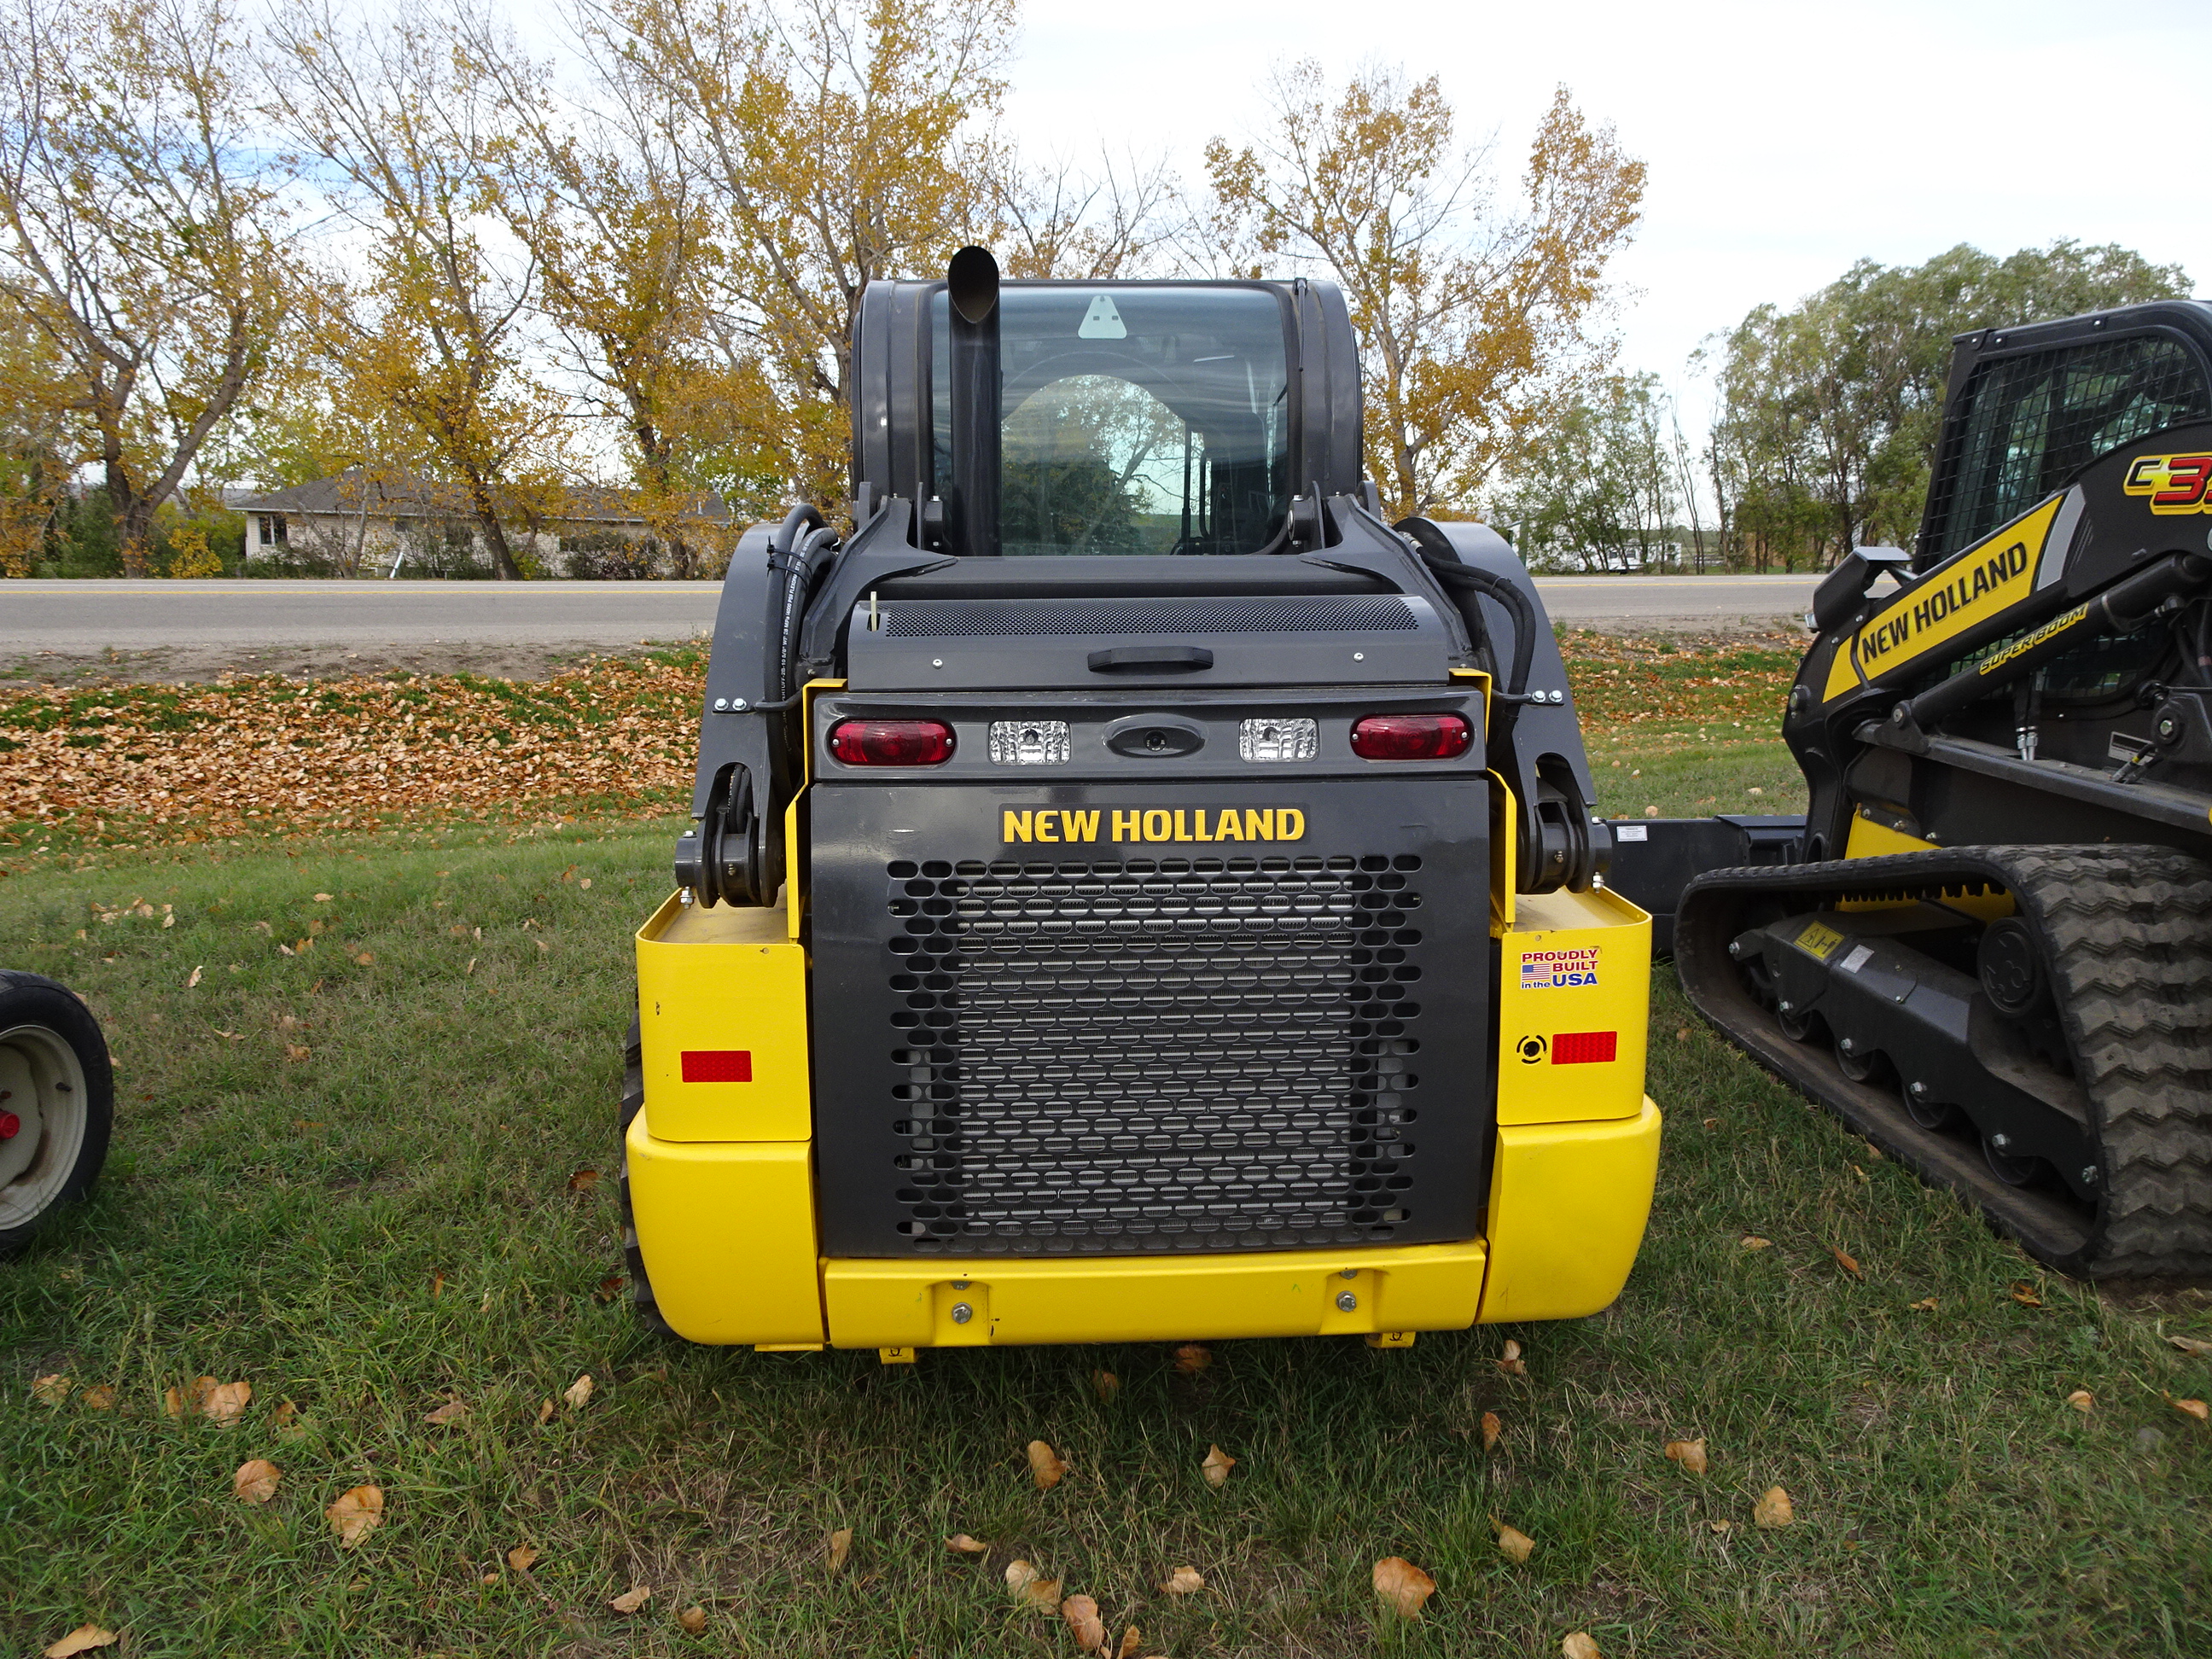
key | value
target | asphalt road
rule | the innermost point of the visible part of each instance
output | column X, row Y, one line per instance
column 78, row 616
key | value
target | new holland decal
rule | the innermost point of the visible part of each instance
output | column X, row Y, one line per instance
column 2175, row 484
column 1186, row 824
column 1980, row 584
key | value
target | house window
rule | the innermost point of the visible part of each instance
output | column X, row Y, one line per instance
column 271, row 529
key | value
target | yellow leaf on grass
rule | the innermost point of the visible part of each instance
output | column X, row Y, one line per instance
column 1690, row 1454
column 2024, row 1294
column 84, row 1639
column 452, row 1412
column 1513, row 1544
column 296, row 1051
column 1105, row 1385
column 322, row 898
column 226, row 1402
column 1578, row 1644
column 545, row 1413
column 840, row 1547
column 2190, row 1345
column 100, row 1397
column 285, row 1420
column 1046, row 1467
column 1927, row 1304
column 1844, row 1260
column 632, row 1599
column 194, row 978
column 2082, row 1401
column 2195, row 1408
column 366, row 957
column 1402, row 1586
column 1030, row 1587
column 173, row 1402
column 579, row 1392
column 694, row 1620
column 1193, row 1358
column 1183, row 1581
column 254, row 1481
column 50, row 1389
column 1773, row 1509
column 1132, row 1640
column 356, row 1514
column 961, row 1544
column 1217, row 1466
column 1753, row 1241
column 521, row 1558
column 1510, row 1362
column 1492, row 1428
column 1721, row 1526
column 1081, row 1614
column 583, row 1181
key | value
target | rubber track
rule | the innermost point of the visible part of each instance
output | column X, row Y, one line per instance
column 633, row 1096
column 2126, row 934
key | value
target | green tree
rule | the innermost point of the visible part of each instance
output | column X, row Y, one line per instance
column 1601, row 491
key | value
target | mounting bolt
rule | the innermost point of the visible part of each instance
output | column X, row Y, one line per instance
column 1787, row 1006
column 961, row 1313
column 937, row 662
column 2001, row 1141
column 1736, row 947
column 1345, row 1302
column 1846, row 1045
column 1919, row 1088
column 2088, row 1175
column 738, row 705
column 1349, row 1273
column 721, row 704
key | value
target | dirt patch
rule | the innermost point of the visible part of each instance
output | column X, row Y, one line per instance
column 189, row 665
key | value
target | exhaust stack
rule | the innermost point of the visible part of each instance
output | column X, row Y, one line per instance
column 972, row 286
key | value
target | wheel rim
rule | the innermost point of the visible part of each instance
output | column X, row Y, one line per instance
column 2013, row 1172
column 1861, row 1067
column 1929, row 1114
column 1798, row 1028
column 44, row 1089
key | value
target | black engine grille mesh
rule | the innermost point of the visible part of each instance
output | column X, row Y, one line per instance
column 1172, row 1055
column 1009, row 618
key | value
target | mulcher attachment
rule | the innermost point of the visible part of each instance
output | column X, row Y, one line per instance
column 2030, row 1026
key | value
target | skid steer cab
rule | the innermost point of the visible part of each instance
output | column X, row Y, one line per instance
column 1136, row 893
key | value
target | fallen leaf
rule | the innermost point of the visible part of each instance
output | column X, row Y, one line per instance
column 322, row 898
column 2082, row 1401
column 226, row 1402
column 1402, row 1586
column 84, row 1639
column 437, row 1286
column 366, row 957
column 1848, row 1262
column 173, row 1402
column 488, row 1578
column 840, row 1549
column 1578, row 1644
column 1512, row 1543
column 608, row 1288
column 255, row 1481
column 1029, row 1586
column 1492, row 1428
column 1082, row 1615
column 1926, row 1305
column 284, row 1417
column 100, row 1397
column 1773, row 1509
column 577, row 1393
column 1722, row 1526
column 694, row 1620
column 1192, row 1357
column 545, row 1413
column 1045, row 1466
column 1510, row 1362
column 356, row 1514
column 1753, row 1241
column 1875, row 1152
column 1183, row 1581
column 2190, row 1345
column 521, row 1558
column 1690, row 1454
column 632, row 1599
column 1681, row 1034
column 1105, row 1385
column 1217, row 1466
column 1711, row 1122
column 961, row 1544
column 295, row 1051
column 452, row 1412
column 585, row 884
column 583, row 1181
column 1132, row 1640
column 2195, row 1408
column 194, row 979
column 2024, row 1294
column 50, row 1389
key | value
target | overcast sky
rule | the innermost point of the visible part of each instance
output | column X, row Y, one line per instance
column 1784, row 142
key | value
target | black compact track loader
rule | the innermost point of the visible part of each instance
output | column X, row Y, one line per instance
column 1988, row 944
column 1137, row 892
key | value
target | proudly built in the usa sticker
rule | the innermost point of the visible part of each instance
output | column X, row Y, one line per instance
column 1543, row 970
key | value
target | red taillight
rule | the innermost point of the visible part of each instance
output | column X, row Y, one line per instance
column 1411, row 736
column 891, row 743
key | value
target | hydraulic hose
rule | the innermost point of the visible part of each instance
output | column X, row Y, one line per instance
column 1452, row 573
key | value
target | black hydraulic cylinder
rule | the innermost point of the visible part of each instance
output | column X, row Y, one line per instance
column 972, row 287
column 2120, row 609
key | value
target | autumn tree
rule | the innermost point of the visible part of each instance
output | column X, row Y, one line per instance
column 423, row 325
column 1480, row 317
column 847, row 140
column 141, row 237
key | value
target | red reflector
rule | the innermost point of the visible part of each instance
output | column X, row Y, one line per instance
column 891, row 743
column 1583, row 1048
column 723, row 1065
column 10, row 1126
column 1411, row 736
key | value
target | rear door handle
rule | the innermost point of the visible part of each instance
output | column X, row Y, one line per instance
column 1150, row 660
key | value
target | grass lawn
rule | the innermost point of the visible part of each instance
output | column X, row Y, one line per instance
column 349, row 1176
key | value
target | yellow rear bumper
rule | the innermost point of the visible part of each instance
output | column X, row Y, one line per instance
column 727, row 1234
